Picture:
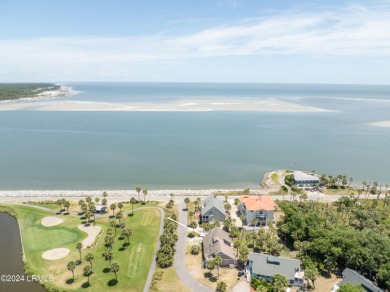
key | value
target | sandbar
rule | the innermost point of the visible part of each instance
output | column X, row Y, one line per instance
column 185, row 105
column 381, row 124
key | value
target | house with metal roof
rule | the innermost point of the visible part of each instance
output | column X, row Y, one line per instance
column 266, row 266
column 261, row 208
column 303, row 179
column 354, row 278
column 218, row 243
column 213, row 210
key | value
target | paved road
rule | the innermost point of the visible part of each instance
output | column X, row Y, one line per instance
column 180, row 262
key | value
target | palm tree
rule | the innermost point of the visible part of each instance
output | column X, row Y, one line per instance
column 67, row 205
column 105, row 194
column 119, row 216
column 113, row 207
column 145, row 192
column 92, row 210
column 311, row 273
column 191, row 214
column 210, row 265
column 97, row 200
column 120, row 206
column 221, row 286
column 88, row 200
column 196, row 205
column 218, row 263
column 79, row 246
column 187, row 201
column 132, row 202
column 242, row 217
column 108, row 254
column 104, row 202
column 81, row 202
column 89, row 257
column 115, row 269
column 279, row 283
column 113, row 224
column 138, row 189
column 254, row 223
column 126, row 233
column 71, row 266
column 87, row 271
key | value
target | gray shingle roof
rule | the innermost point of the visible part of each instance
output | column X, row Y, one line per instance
column 211, row 202
column 217, row 241
column 353, row 277
column 267, row 265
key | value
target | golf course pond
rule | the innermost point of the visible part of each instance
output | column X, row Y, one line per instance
column 11, row 264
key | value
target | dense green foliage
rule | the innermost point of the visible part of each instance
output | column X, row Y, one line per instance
column 289, row 179
column 351, row 288
column 347, row 233
column 278, row 284
column 168, row 241
column 11, row 91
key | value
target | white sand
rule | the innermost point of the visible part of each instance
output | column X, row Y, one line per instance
column 182, row 105
column 381, row 124
column 55, row 254
column 51, row 221
column 92, row 232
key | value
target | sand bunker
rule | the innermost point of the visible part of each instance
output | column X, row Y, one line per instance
column 55, row 254
column 92, row 232
column 51, row 221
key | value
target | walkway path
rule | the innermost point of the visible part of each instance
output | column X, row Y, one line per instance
column 180, row 262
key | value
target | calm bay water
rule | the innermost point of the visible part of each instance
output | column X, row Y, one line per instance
column 118, row 150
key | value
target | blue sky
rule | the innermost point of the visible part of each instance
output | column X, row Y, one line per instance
column 261, row 41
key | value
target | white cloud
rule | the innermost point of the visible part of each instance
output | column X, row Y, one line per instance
column 350, row 31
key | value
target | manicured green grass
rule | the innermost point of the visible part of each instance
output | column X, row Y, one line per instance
column 134, row 260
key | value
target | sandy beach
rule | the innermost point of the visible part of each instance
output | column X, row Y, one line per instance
column 193, row 105
column 112, row 193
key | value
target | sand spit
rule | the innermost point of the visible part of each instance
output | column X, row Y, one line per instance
column 55, row 254
column 92, row 232
column 51, row 221
column 381, row 124
column 190, row 105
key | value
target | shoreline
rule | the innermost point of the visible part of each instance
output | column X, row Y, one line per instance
column 47, row 94
column 115, row 193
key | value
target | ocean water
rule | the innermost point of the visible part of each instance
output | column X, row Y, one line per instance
column 216, row 149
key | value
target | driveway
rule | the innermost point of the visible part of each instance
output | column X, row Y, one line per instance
column 180, row 262
column 242, row 286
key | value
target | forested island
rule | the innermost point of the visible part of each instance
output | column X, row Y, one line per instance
column 14, row 91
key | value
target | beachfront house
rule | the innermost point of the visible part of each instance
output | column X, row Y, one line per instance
column 264, row 266
column 260, row 208
column 218, row 243
column 213, row 210
column 354, row 278
column 304, row 179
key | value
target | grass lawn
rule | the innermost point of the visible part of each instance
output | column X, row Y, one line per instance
column 275, row 178
column 170, row 281
column 134, row 260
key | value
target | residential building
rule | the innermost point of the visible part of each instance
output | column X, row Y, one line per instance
column 218, row 243
column 354, row 278
column 213, row 210
column 266, row 266
column 304, row 179
column 261, row 208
